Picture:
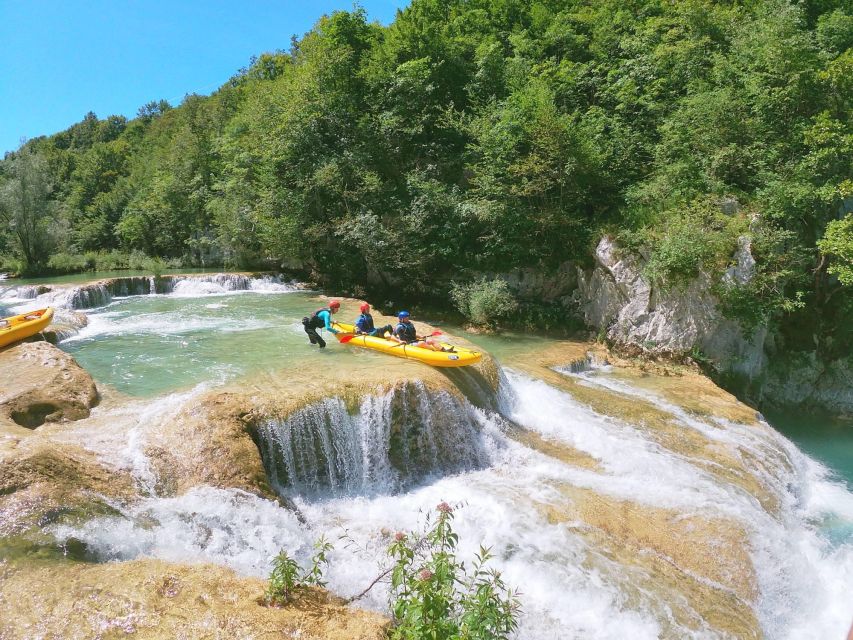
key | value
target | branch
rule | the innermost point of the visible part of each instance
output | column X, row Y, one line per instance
column 370, row 586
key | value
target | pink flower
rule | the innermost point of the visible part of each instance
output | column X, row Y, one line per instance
column 399, row 536
column 425, row 575
column 444, row 507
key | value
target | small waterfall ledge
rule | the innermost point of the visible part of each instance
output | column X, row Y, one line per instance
column 100, row 293
column 385, row 444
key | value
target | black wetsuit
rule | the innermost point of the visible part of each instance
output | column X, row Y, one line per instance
column 311, row 325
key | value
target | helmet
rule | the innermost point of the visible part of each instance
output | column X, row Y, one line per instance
column 403, row 314
column 364, row 307
column 334, row 304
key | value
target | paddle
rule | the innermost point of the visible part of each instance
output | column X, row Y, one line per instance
column 349, row 337
column 433, row 334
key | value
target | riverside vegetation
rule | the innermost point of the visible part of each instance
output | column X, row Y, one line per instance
column 470, row 138
column 432, row 594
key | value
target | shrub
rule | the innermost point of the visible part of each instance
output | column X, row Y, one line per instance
column 694, row 239
column 434, row 596
column 484, row 301
column 287, row 576
column 68, row 263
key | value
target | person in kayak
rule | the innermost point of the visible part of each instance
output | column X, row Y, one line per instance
column 405, row 333
column 321, row 319
column 364, row 324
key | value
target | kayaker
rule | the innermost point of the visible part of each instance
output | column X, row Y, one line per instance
column 405, row 333
column 364, row 324
column 321, row 319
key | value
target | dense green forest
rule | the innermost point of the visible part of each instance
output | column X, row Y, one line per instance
column 470, row 137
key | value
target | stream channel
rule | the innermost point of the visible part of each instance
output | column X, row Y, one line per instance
column 579, row 540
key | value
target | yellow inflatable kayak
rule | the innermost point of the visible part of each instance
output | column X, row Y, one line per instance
column 459, row 357
column 23, row 326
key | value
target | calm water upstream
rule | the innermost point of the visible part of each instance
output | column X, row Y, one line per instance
column 159, row 347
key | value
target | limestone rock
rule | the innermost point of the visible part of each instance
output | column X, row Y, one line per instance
column 155, row 599
column 43, row 384
column 617, row 297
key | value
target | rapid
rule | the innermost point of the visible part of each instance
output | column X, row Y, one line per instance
column 616, row 507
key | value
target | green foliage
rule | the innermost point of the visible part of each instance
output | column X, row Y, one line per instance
column 698, row 237
column 478, row 137
column 284, row 579
column 434, row 596
column 287, row 576
column 484, row 302
column 837, row 243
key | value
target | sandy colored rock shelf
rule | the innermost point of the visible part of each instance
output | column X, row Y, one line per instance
column 155, row 599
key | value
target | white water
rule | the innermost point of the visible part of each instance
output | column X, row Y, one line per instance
column 570, row 589
column 24, row 298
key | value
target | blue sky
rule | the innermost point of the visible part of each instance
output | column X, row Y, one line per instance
column 61, row 59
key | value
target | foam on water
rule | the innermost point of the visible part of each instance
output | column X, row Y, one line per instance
column 569, row 587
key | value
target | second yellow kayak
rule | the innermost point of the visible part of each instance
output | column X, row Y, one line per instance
column 16, row 328
column 459, row 357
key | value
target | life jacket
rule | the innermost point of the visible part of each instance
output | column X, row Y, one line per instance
column 315, row 321
column 406, row 332
column 364, row 323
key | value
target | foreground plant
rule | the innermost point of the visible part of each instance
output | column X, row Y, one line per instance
column 287, row 576
column 434, row 596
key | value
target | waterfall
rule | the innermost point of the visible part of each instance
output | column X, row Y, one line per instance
column 99, row 294
column 389, row 443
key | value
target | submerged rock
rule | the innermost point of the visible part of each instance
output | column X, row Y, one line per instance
column 43, row 384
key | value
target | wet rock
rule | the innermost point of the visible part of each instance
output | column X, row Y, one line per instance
column 43, row 384
column 155, row 599
column 43, row 482
column 618, row 299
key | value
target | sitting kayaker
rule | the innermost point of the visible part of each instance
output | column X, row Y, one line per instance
column 364, row 324
column 321, row 319
column 405, row 333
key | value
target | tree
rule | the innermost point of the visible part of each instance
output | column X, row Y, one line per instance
column 26, row 210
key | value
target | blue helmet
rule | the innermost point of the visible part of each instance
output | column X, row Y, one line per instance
column 403, row 314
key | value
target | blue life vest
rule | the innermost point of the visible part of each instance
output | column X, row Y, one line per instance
column 364, row 323
column 406, row 332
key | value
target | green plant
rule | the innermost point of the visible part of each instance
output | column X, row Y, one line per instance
column 433, row 596
column 484, row 301
column 283, row 579
column 287, row 576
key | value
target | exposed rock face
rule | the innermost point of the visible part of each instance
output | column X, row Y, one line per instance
column 804, row 380
column 618, row 298
column 155, row 599
column 43, row 384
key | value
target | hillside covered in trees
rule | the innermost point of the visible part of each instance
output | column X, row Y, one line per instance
column 471, row 137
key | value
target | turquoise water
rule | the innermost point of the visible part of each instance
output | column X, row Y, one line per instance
column 825, row 439
column 147, row 345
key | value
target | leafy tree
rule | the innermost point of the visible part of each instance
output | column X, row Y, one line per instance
column 26, row 209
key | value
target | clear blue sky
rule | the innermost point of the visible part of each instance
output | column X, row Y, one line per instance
column 62, row 58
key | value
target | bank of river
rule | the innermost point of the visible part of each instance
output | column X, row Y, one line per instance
column 621, row 502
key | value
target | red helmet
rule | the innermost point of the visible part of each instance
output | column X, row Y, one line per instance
column 334, row 304
column 364, row 307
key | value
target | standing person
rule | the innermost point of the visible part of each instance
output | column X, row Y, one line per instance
column 321, row 319
column 364, row 324
column 405, row 333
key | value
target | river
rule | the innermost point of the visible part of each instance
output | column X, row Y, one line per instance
column 534, row 510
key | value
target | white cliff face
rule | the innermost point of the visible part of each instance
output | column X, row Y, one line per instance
column 617, row 297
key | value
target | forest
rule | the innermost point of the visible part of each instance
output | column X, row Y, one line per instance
column 472, row 137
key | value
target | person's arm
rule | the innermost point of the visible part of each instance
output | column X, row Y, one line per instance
column 327, row 318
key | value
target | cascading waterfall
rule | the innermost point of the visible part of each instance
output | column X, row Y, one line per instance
column 373, row 467
column 100, row 294
column 389, row 443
